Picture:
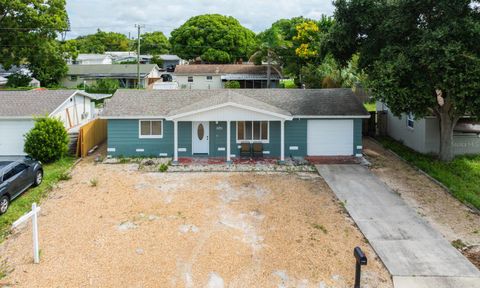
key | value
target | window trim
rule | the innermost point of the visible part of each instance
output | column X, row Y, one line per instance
column 188, row 79
column 410, row 119
column 252, row 140
column 140, row 136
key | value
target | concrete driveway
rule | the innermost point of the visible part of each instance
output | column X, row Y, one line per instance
column 415, row 254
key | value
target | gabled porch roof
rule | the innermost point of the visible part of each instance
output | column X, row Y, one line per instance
column 229, row 105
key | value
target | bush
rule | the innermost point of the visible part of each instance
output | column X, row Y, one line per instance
column 232, row 85
column 18, row 80
column 103, row 86
column 47, row 141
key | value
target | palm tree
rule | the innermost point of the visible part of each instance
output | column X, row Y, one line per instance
column 270, row 41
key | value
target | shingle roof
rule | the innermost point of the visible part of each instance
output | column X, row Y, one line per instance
column 117, row 70
column 222, row 69
column 228, row 96
column 31, row 103
column 304, row 102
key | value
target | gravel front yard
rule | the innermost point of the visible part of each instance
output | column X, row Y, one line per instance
column 112, row 226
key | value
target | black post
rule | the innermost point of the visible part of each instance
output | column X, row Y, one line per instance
column 360, row 260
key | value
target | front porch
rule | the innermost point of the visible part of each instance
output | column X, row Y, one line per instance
column 219, row 127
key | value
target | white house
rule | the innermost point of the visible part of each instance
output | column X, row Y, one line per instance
column 18, row 109
column 91, row 59
column 214, row 76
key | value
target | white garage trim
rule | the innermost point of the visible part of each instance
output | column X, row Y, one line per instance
column 330, row 137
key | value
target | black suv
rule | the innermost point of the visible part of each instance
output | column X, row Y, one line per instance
column 16, row 176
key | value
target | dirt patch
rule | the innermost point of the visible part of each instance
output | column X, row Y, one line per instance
column 138, row 229
column 449, row 216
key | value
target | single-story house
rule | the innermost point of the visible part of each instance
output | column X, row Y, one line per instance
column 215, row 123
column 19, row 108
column 126, row 74
column 214, row 76
column 423, row 135
column 91, row 59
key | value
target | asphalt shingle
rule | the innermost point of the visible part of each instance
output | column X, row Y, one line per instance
column 304, row 102
column 31, row 103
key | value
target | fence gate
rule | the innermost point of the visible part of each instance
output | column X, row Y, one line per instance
column 91, row 134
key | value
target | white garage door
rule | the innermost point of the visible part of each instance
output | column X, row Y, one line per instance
column 11, row 136
column 330, row 137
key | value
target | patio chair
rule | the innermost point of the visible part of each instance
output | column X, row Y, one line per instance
column 257, row 150
column 245, row 149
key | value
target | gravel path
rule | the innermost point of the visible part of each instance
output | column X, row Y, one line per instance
column 137, row 229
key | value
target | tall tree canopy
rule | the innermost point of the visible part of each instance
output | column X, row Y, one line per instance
column 421, row 57
column 154, row 43
column 213, row 37
column 28, row 36
column 100, row 42
column 285, row 33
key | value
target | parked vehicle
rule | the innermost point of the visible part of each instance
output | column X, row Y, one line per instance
column 16, row 176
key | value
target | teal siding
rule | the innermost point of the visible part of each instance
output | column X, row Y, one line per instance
column 296, row 136
column 357, row 136
column 123, row 137
column 184, row 139
column 218, row 139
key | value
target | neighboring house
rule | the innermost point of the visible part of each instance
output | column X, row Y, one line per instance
column 423, row 135
column 19, row 108
column 126, row 74
column 4, row 74
column 214, row 76
column 91, row 59
column 187, row 123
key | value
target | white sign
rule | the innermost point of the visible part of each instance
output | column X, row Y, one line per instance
column 34, row 215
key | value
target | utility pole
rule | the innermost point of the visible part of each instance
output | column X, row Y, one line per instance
column 138, row 26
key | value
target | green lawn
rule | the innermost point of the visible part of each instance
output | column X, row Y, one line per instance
column 370, row 107
column 52, row 174
column 461, row 176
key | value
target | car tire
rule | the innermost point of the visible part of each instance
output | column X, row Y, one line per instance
column 4, row 203
column 38, row 178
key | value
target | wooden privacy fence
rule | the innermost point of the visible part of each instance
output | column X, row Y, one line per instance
column 90, row 135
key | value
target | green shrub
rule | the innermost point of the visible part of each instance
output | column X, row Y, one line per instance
column 18, row 80
column 102, row 86
column 232, row 85
column 163, row 167
column 48, row 140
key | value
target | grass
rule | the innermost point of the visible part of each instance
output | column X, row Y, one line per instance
column 53, row 173
column 370, row 106
column 461, row 176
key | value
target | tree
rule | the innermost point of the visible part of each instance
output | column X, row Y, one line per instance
column 47, row 141
column 421, row 57
column 101, row 42
column 285, row 54
column 29, row 31
column 214, row 37
column 154, row 43
column 18, row 80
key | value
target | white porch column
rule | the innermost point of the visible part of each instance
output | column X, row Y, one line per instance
column 282, row 141
column 228, row 142
column 175, row 142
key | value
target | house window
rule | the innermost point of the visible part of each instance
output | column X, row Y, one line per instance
column 410, row 120
column 150, row 129
column 209, row 78
column 73, row 78
column 190, row 79
column 253, row 131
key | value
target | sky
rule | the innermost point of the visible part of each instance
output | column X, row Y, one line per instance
column 161, row 15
